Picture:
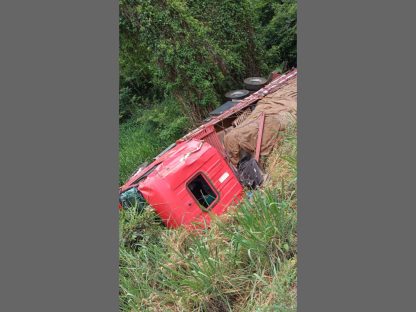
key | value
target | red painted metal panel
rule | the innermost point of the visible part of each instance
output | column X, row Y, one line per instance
column 165, row 189
column 204, row 132
column 214, row 140
column 209, row 135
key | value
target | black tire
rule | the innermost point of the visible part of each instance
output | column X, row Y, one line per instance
column 254, row 83
column 237, row 94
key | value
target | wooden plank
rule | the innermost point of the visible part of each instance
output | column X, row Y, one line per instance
column 260, row 135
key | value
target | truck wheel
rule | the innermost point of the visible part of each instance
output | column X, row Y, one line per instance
column 237, row 94
column 254, row 83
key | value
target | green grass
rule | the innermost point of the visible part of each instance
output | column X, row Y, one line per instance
column 135, row 147
column 246, row 260
column 148, row 133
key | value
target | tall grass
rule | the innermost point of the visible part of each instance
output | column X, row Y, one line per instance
column 246, row 260
column 229, row 267
column 135, row 147
column 147, row 133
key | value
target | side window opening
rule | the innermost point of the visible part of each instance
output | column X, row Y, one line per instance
column 202, row 191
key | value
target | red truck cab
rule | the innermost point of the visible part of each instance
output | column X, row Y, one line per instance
column 193, row 178
column 185, row 185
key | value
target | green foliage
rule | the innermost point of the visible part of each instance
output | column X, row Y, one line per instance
column 177, row 59
column 246, row 260
column 146, row 134
column 180, row 55
column 277, row 20
column 194, row 51
column 231, row 24
column 242, row 263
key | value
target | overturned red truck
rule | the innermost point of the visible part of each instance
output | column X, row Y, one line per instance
column 198, row 175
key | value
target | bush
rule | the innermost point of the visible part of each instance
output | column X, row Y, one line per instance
column 194, row 51
column 177, row 58
column 278, row 22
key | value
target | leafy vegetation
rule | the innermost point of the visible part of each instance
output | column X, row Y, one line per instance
column 145, row 135
column 246, row 260
column 177, row 59
column 277, row 22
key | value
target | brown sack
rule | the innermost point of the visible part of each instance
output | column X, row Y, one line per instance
column 279, row 108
